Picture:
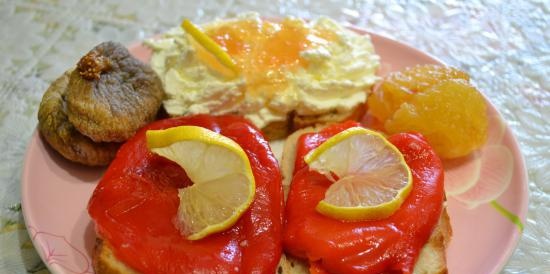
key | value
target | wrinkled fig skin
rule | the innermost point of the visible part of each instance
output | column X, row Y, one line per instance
column 56, row 129
column 111, row 94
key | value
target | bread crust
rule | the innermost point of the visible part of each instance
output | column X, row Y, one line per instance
column 432, row 258
column 281, row 129
column 303, row 121
column 104, row 260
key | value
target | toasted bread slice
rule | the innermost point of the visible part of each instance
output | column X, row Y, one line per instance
column 431, row 260
column 281, row 129
column 303, row 121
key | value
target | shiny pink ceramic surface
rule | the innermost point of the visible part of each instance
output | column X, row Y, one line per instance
column 55, row 193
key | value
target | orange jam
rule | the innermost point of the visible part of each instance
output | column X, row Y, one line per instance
column 263, row 51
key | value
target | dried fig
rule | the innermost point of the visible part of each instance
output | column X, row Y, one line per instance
column 56, row 129
column 112, row 94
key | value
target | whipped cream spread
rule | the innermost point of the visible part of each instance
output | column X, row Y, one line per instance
column 311, row 68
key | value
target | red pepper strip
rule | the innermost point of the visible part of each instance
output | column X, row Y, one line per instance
column 135, row 203
column 387, row 245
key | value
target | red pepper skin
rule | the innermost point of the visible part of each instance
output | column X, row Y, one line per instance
column 135, row 203
column 388, row 245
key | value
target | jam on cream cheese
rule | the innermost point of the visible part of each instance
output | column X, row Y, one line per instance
column 312, row 68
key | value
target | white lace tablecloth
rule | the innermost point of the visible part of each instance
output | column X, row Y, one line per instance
column 504, row 46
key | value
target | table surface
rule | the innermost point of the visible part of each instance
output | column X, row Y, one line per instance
column 503, row 46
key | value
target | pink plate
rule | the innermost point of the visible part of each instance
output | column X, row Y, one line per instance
column 486, row 213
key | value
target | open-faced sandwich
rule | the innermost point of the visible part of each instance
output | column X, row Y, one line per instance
column 202, row 196
column 282, row 75
column 353, row 206
column 202, row 191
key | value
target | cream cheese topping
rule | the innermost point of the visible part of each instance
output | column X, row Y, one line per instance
column 191, row 87
column 336, row 79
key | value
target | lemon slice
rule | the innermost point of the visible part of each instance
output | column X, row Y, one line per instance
column 212, row 47
column 223, row 183
column 373, row 178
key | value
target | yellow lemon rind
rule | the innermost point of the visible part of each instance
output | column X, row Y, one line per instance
column 165, row 137
column 377, row 212
column 210, row 45
column 161, row 138
column 332, row 141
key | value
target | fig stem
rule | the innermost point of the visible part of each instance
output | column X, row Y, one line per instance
column 92, row 65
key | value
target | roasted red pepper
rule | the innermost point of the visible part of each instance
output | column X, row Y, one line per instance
column 388, row 245
column 135, row 203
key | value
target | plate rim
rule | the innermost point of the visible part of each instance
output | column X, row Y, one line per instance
column 519, row 157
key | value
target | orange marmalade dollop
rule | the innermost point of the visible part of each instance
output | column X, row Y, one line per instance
column 264, row 51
